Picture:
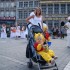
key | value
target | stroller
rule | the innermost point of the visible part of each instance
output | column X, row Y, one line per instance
column 31, row 53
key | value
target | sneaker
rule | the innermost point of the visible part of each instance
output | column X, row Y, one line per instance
column 52, row 61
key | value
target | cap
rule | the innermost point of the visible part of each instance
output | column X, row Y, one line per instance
column 45, row 26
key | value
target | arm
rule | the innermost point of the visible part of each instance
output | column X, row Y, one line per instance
column 38, row 47
column 28, row 18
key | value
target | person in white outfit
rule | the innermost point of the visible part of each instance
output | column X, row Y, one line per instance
column 29, row 19
column 17, row 31
column 13, row 31
column 3, row 31
column 23, row 32
column 37, row 18
column 67, row 25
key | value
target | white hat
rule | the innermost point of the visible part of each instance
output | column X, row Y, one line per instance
column 69, row 18
column 45, row 25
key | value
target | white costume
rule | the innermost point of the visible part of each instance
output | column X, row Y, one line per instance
column 68, row 33
column 18, row 31
column 12, row 34
column 3, row 32
column 45, row 25
column 24, row 33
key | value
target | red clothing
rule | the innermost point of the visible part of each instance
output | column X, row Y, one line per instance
column 35, row 46
column 47, row 35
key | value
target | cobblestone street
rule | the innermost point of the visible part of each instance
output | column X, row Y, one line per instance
column 12, row 54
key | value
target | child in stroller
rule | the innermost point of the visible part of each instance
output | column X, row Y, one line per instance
column 37, row 50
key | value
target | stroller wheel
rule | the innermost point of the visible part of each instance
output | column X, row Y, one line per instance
column 56, row 67
column 30, row 64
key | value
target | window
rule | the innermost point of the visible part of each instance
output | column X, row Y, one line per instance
column 56, row 8
column 68, row 8
column 2, row 14
column 50, row 8
column 7, row 13
column 20, row 13
column 63, row 8
column 30, row 3
column 36, row 3
column 6, row 4
column 12, row 4
column 1, row 5
column 56, row 23
column 12, row 14
column 25, row 14
column 20, row 4
column 25, row 4
column 43, row 6
column 50, row 23
column 29, row 12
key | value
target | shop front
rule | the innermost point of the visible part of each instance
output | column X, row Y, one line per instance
column 8, row 22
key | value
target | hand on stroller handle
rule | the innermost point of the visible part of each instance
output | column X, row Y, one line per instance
column 32, row 24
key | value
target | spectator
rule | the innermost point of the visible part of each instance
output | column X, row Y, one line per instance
column 62, row 32
column 67, row 25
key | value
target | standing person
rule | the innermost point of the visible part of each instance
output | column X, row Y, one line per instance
column 13, row 31
column 67, row 25
column 23, row 32
column 54, row 33
column 29, row 19
column 62, row 32
column 17, row 31
column 57, row 32
column 37, row 18
column 3, row 31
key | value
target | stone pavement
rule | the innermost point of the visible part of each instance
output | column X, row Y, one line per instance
column 67, row 66
column 12, row 54
column 62, row 51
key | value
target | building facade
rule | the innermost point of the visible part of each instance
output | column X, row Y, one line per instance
column 55, row 11
column 7, row 11
column 24, row 7
column 16, row 11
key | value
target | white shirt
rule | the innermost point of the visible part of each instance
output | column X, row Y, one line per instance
column 68, row 25
column 18, row 27
column 37, row 20
column 32, row 19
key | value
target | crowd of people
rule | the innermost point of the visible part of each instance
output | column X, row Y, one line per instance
column 58, row 32
column 15, row 31
column 35, row 18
